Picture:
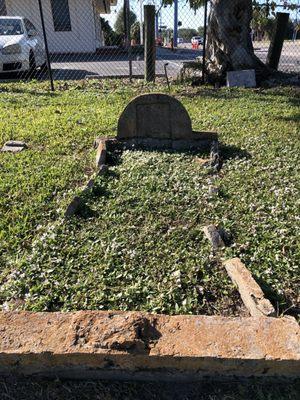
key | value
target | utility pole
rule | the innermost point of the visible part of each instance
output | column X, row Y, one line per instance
column 175, row 33
column 3, row 10
column 156, row 25
column 157, row 15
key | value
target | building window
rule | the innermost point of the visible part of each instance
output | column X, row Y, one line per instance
column 61, row 15
column 2, row 7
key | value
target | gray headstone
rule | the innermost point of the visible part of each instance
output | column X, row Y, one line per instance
column 243, row 78
column 155, row 116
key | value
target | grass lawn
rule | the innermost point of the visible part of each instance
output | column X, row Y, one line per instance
column 139, row 244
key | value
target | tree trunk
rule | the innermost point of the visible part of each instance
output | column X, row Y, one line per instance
column 229, row 45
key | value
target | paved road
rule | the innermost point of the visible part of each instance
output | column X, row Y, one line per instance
column 290, row 56
column 81, row 66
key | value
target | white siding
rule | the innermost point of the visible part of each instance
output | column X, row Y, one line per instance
column 82, row 38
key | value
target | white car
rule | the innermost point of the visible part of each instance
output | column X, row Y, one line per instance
column 22, row 48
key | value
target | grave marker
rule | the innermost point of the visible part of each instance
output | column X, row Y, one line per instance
column 160, row 121
column 244, row 78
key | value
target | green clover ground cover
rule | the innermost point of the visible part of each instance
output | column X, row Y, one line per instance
column 139, row 244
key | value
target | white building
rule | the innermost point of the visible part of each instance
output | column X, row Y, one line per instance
column 72, row 26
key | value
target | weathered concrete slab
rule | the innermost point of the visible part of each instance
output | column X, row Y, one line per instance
column 251, row 293
column 14, row 146
column 140, row 346
column 244, row 78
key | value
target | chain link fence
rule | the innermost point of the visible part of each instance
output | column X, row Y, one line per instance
column 107, row 38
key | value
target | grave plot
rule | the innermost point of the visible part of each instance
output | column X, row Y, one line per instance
column 145, row 234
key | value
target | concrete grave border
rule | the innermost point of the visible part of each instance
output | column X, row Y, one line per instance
column 141, row 346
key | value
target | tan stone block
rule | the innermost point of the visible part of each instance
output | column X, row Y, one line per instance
column 202, row 161
column 250, row 291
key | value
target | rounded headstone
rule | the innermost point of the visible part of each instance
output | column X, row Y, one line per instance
column 156, row 116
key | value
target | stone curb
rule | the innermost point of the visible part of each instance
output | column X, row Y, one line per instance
column 251, row 293
column 137, row 345
column 102, row 168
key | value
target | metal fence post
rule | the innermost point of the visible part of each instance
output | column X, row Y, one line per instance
column 46, row 46
column 127, row 34
column 175, row 35
column 149, row 13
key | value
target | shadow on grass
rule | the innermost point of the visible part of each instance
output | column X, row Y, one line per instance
column 292, row 118
column 281, row 303
column 85, row 210
column 116, row 157
column 230, row 151
column 230, row 389
column 26, row 87
column 263, row 94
